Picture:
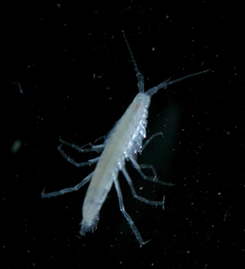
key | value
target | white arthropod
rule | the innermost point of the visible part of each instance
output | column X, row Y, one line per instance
column 122, row 143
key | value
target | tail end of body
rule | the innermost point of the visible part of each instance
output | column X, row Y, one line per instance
column 89, row 226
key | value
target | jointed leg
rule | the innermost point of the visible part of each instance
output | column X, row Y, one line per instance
column 97, row 148
column 67, row 190
column 89, row 162
column 126, row 215
column 94, row 148
column 148, row 166
column 142, row 199
column 99, row 138
column 149, row 140
column 138, row 168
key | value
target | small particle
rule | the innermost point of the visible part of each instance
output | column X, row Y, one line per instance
column 20, row 89
column 16, row 146
column 163, row 199
column 226, row 214
column 95, row 76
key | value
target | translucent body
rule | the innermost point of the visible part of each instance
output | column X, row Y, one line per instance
column 125, row 138
column 122, row 143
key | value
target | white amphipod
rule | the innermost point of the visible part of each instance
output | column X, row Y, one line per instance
column 122, row 143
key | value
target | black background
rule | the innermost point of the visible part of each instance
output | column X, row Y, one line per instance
column 76, row 79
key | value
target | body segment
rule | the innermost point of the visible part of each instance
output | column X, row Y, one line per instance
column 125, row 137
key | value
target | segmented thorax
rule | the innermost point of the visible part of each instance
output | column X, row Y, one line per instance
column 124, row 139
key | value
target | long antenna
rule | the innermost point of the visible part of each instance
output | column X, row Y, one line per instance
column 139, row 76
column 164, row 84
column 168, row 82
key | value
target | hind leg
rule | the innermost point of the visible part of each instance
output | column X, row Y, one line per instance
column 126, row 215
column 136, row 196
